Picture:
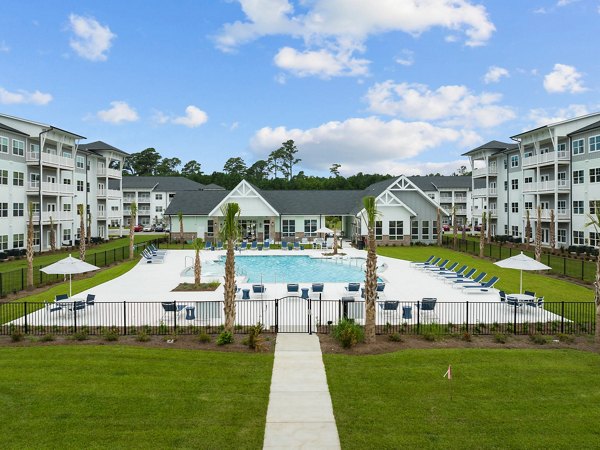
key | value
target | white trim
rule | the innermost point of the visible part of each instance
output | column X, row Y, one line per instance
column 241, row 191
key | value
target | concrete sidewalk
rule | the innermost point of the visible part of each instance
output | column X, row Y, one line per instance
column 300, row 414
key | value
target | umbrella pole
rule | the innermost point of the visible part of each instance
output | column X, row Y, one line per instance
column 521, row 285
column 70, row 286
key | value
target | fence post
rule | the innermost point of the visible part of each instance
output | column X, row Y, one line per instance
column 418, row 317
column 95, row 254
column 515, row 320
column 40, row 271
column 114, row 254
column 309, row 317
column 25, row 315
column 74, row 318
column 175, row 317
column 562, row 317
column 124, row 318
column 276, row 316
column 467, row 321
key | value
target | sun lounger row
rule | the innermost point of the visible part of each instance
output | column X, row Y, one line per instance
column 460, row 279
column 151, row 258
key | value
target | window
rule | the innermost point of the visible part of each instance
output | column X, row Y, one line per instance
column 67, row 207
column 528, row 205
column 79, row 186
column 288, row 228
column 210, row 227
column 66, row 181
column 425, row 229
column 414, row 230
column 595, row 175
column 562, row 206
column 396, row 230
column 528, row 153
column 578, row 207
column 17, row 209
column 80, row 162
column 310, row 227
column 515, row 230
column 561, row 235
column 3, row 176
column 593, row 205
column 506, row 229
column 18, row 178
column 18, row 240
column 506, row 207
column 562, row 147
column 158, row 197
column 515, row 207
column 578, row 238
column 577, row 147
column 66, row 235
column 514, row 184
column 506, row 185
column 113, row 208
column 87, row 187
column 4, row 242
column 514, row 161
column 594, row 144
column 594, row 238
column 431, row 196
column 378, row 230
column 578, row 177
column 18, row 147
column 159, row 209
column 3, row 209
column 4, row 149
column 505, row 163
column 528, row 180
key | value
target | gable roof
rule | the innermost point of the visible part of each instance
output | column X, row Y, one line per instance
column 161, row 184
column 434, row 183
column 12, row 130
column 493, row 145
column 193, row 203
column 590, row 127
column 248, row 190
column 314, row 202
column 100, row 145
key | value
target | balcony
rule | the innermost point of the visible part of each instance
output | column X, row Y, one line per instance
column 560, row 214
column 48, row 188
column 126, row 212
column 143, row 212
column 128, row 199
column 546, row 186
column 143, row 199
column 546, row 158
column 49, row 159
column 111, row 173
column 461, row 211
column 445, row 198
column 108, row 193
column 460, row 199
column 484, row 171
column 485, row 192
column 56, row 216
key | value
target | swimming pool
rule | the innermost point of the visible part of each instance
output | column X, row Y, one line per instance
column 289, row 269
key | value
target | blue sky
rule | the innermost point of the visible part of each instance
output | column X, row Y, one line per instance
column 393, row 86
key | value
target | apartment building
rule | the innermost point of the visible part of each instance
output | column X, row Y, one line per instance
column 451, row 192
column 153, row 195
column 45, row 168
column 555, row 167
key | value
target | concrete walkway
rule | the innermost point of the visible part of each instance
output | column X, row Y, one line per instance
column 300, row 414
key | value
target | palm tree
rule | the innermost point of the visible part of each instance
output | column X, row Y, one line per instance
column 89, row 228
column 454, row 228
column 180, row 217
column 538, row 235
column 80, row 211
column 30, row 248
column 131, row 225
column 489, row 228
column 198, row 243
column 527, row 230
column 439, row 227
column 482, row 235
column 335, row 223
column 230, row 232
column 371, row 214
column 595, row 222
column 52, row 235
column 552, row 231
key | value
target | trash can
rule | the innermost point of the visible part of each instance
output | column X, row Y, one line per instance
column 360, row 245
column 407, row 312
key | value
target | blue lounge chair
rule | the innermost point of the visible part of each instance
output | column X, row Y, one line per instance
column 353, row 287
column 284, row 245
column 293, row 287
column 450, row 268
column 464, row 282
column 171, row 307
column 150, row 259
column 155, row 251
column 466, row 276
column 208, row 245
column 427, row 264
column 427, row 261
column 253, row 246
column 459, row 272
column 484, row 287
column 435, row 266
column 219, row 246
column 296, row 245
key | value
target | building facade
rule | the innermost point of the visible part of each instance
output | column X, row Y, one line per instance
column 555, row 167
column 44, row 168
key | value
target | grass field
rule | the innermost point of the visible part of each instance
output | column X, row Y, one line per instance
column 518, row 399
column 129, row 397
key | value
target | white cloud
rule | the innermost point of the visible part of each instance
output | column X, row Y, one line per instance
column 564, row 78
column 452, row 105
column 24, row 97
column 543, row 116
column 4, row 48
column 322, row 63
column 194, row 117
column 92, row 40
column 494, row 74
column 406, row 58
column 333, row 30
column 565, row 2
column 390, row 144
column 119, row 112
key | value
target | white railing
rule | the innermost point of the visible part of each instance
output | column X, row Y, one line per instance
column 546, row 158
column 460, row 199
column 126, row 212
column 103, row 193
column 143, row 199
column 129, row 199
column 542, row 186
column 113, row 173
column 484, row 192
column 560, row 214
column 483, row 171
column 51, row 188
column 445, row 198
column 51, row 159
column 461, row 212
column 54, row 214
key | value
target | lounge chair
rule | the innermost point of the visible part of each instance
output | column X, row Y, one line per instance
column 467, row 281
column 353, row 287
column 449, row 269
column 219, row 246
column 171, row 307
column 267, row 245
column 296, row 245
column 435, row 266
column 427, row 264
column 244, row 245
column 90, row 300
column 284, row 245
column 152, row 259
column 258, row 289
column 484, row 287
column 456, row 277
column 427, row 307
column 459, row 272
column 254, row 245
column 427, row 261
column 208, row 245
column 155, row 251
column 293, row 287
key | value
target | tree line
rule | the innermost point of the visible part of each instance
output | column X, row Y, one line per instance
column 278, row 171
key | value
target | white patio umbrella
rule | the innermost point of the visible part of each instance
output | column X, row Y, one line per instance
column 522, row 262
column 324, row 230
column 69, row 266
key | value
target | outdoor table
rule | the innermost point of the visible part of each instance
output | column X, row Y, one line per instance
column 245, row 294
column 304, row 293
column 190, row 313
column 520, row 299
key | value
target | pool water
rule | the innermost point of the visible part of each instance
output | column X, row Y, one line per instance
column 291, row 269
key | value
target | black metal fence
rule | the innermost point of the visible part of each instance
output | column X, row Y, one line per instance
column 579, row 268
column 294, row 314
column 15, row 281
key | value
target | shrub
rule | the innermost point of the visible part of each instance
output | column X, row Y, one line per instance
column 538, row 339
column 16, row 335
column 226, row 337
column 466, row 336
column 204, row 338
column 47, row 338
column 500, row 338
column 163, row 328
column 80, row 336
column 111, row 335
column 142, row 336
column 566, row 338
column 255, row 340
column 395, row 337
column 432, row 333
column 348, row 333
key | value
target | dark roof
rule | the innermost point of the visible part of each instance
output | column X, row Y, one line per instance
column 213, row 187
column 590, row 127
column 100, row 145
column 12, row 130
column 494, row 145
column 313, row 202
column 434, row 183
column 164, row 184
column 195, row 202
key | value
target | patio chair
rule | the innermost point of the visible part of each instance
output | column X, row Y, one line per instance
column 219, row 246
column 54, row 307
column 427, row 308
column 90, row 300
column 258, row 289
column 60, row 297
column 254, row 245
column 284, row 245
column 502, row 296
column 353, row 287
column 467, row 281
column 427, row 261
column 456, row 277
column 390, row 309
column 484, row 287
column 296, row 245
column 293, row 287
column 318, row 287
column 531, row 294
column 79, row 305
column 538, row 303
column 208, row 245
column 512, row 301
column 171, row 307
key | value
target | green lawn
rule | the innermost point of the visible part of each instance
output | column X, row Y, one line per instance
column 527, row 399
column 129, row 397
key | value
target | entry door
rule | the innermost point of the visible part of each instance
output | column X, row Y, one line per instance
column 51, row 207
column 545, row 235
column 267, row 228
